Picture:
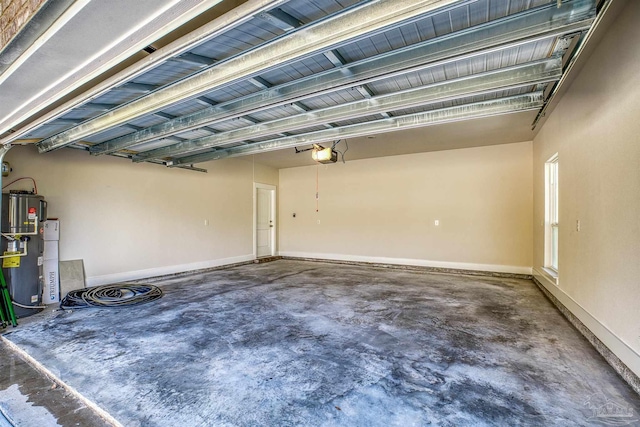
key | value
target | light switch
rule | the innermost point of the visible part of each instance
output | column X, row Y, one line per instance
column 436, row 222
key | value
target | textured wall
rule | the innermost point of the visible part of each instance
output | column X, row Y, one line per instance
column 14, row 14
column 122, row 217
column 596, row 132
column 387, row 207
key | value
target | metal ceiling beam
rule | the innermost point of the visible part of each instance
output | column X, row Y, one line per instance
column 335, row 58
column 240, row 15
column 176, row 138
column 281, row 19
column 521, row 75
column 475, row 110
column 205, row 101
column 192, row 58
column 354, row 23
column 364, row 91
column 66, row 121
column 137, row 87
column 94, row 106
column 259, row 82
column 505, row 33
column 250, row 120
column 171, row 116
column 164, row 115
column 301, row 108
column 604, row 6
column 367, row 93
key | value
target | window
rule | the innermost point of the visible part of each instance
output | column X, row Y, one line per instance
column 551, row 214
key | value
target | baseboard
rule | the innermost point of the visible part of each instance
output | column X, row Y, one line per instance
column 436, row 266
column 624, row 359
column 163, row 271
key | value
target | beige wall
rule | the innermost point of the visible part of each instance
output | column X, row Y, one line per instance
column 595, row 129
column 386, row 207
column 122, row 218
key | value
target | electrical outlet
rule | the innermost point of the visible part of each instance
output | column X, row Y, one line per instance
column 318, row 222
column 206, row 222
column 436, row 222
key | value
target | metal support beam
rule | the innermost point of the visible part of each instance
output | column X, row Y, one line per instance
column 335, row 58
column 259, row 82
column 205, row 101
column 364, row 19
column 503, row 79
column 300, row 107
column 476, row 110
column 500, row 34
column 281, row 19
column 164, row 115
column 250, row 120
column 176, row 138
column 66, row 121
column 137, row 87
column 171, row 116
column 97, row 107
column 192, row 58
column 364, row 91
column 241, row 14
column 367, row 93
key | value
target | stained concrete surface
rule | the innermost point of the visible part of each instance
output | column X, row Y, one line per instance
column 303, row 343
column 29, row 398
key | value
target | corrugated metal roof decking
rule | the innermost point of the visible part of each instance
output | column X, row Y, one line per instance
column 263, row 29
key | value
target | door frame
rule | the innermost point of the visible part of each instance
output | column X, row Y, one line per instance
column 256, row 186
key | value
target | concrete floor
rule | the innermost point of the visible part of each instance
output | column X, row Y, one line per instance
column 302, row 343
column 29, row 398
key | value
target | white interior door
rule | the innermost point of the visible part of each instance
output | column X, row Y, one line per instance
column 265, row 220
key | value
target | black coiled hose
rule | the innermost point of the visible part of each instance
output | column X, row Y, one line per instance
column 112, row 296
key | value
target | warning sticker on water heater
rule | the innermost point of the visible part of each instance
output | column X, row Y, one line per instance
column 12, row 261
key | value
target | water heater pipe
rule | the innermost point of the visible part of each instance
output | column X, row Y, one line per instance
column 31, row 233
column 23, row 253
column 3, row 151
column 3, row 285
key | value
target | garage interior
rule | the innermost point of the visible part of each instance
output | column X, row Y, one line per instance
column 372, row 212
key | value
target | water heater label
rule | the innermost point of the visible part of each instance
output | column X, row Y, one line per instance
column 34, row 298
column 32, row 213
column 11, row 262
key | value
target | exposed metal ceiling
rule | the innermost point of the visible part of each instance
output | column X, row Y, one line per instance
column 298, row 72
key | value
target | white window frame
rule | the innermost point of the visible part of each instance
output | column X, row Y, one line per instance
column 551, row 232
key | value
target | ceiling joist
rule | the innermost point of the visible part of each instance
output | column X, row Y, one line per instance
column 476, row 110
column 502, row 79
column 290, row 73
column 509, row 32
column 300, row 43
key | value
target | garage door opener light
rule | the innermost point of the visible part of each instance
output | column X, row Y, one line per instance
column 324, row 155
